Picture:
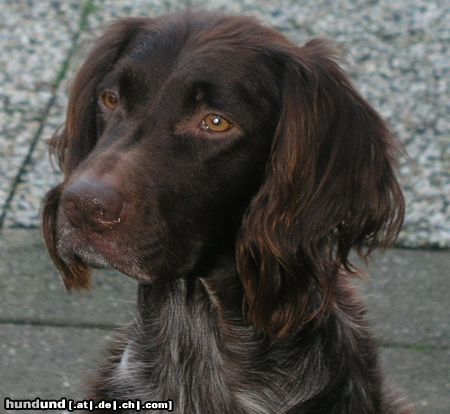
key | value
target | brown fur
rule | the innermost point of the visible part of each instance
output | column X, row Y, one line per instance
column 239, row 240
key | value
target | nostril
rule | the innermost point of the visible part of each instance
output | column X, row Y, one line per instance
column 70, row 206
column 72, row 210
column 92, row 203
column 110, row 214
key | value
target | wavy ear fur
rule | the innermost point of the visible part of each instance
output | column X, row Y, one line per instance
column 329, row 187
column 79, row 134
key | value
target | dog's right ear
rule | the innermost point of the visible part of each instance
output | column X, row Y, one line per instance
column 79, row 134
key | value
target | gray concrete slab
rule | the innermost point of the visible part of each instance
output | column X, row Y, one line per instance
column 48, row 362
column 407, row 292
column 50, row 340
column 421, row 375
column 408, row 297
column 54, row 362
column 31, row 290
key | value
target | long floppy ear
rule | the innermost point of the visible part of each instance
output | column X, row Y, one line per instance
column 329, row 187
column 79, row 134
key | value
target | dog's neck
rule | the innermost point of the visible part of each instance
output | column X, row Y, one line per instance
column 216, row 286
column 192, row 335
column 190, row 326
column 200, row 302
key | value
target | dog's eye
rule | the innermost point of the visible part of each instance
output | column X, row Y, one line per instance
column 215, row 123
column 110, row 100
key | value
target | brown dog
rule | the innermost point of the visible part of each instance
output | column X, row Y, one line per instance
column 230, row 173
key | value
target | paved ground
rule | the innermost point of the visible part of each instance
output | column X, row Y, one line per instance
column 400, row 61
column 50, row 340
column 399, row 55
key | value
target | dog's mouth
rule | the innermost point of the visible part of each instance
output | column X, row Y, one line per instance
column 83, row 246
column 91, row 258
column 99, row 252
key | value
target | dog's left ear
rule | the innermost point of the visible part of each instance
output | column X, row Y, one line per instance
column 329, row 187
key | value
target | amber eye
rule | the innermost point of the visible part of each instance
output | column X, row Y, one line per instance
column 215, row 123
column 110, row 100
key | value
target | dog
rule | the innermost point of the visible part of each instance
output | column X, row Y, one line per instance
column 230, row 172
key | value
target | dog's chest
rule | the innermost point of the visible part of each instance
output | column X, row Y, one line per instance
column 197, row 377
column 182, row 352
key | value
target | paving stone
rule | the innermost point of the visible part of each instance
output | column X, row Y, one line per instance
column 32, row 34
column 40, row 174
column 43, row 329
column 407, row 292
column 399, row 60
column 48, row 362
column 24, row 263
column 52, row 362
column 421, row 375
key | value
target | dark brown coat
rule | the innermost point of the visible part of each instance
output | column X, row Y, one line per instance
column 230, row 172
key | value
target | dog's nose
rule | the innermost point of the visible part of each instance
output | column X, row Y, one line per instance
column 92, row 202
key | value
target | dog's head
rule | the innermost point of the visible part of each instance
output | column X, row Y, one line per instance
column 191, row 135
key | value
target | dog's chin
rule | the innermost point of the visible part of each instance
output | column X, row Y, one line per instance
column 95, row 259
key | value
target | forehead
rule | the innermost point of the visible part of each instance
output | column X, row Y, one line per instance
column 192, row 51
